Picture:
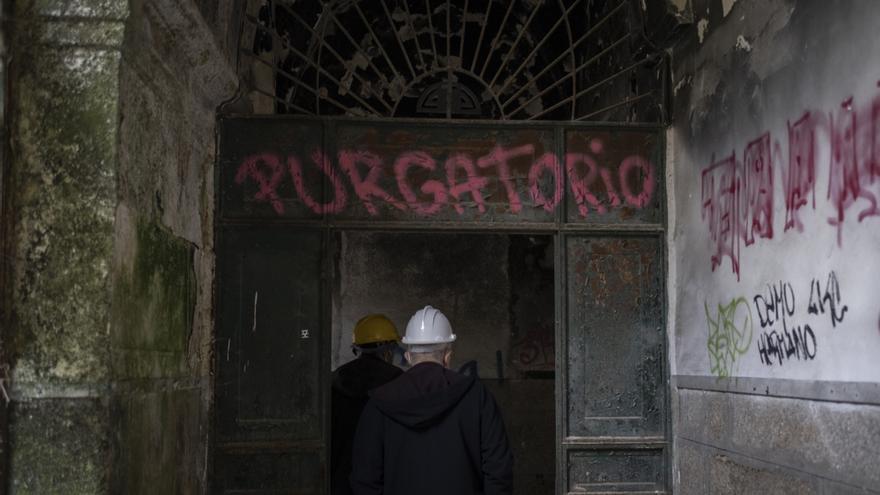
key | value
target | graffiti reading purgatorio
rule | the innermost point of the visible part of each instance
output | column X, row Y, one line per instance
column 458, row 180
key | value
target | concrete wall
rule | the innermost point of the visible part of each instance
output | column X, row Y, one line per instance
column 775, row 322
column 174, row 74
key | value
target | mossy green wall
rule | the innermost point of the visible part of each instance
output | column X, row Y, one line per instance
column 62, row 182
column 172, row 77
column 153, row 303
column 110, row 206
column 62, row 195
column 60, row 446
column 155, row 405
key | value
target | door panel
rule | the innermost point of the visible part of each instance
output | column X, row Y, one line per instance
column 251, row 472
column 270, row 393
column 616, row 398
column 616, row 471
column 615, row 176
column 271, row 168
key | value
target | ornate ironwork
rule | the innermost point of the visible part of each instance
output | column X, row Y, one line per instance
column 448, row 98
column 490, row 59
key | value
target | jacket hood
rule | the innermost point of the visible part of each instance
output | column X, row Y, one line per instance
column 356, row 378
column 422, row 396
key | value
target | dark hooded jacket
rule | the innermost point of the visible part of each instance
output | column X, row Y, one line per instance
column 431, row 431
column 351, row 383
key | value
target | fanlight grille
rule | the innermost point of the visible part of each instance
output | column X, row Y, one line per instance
column 488, row 59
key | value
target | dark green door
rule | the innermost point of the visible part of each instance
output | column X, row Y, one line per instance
column 614, row 424
column 270, row 398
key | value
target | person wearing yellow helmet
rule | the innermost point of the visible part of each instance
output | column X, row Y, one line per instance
column 375, row 343
column 375, row 333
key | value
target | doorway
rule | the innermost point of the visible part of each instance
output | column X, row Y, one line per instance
column 498, row 292
column 319, row 217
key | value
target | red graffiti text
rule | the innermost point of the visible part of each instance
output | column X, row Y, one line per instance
column 738, row 197
column 460, row 182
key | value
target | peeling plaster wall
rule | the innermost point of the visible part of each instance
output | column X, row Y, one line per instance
column 173, row 77
column 773, row 248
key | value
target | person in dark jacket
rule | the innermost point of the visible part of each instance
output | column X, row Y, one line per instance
column 431, row 430
column 374, row 341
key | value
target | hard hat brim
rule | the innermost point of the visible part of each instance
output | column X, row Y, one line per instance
column 407, row 341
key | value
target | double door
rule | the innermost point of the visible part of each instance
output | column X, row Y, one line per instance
column 287, row 186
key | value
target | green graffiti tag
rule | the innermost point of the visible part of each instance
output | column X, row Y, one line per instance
column 730, row 335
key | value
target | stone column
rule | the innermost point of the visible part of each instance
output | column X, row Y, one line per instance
column 59, row 208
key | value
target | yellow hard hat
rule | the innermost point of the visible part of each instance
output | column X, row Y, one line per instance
column 374, row 328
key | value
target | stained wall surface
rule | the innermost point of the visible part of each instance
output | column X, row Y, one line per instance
column 173, row 76
column 108, row 232
column 774, row 239
column 59, row 196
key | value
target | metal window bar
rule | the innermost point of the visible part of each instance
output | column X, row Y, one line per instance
column 537, row 47
column 464, row 14
column 376, row 89
column 338, row 57
column 482, row 32
column 496, row 38
column 320, row 69
column 570, row 74
column 299, row 82
column 513, row 46
column 593, row 87
column 429, row 14
column 412, row 26
column 399, row 41
column 568, row 51
column 627, row 101
column 377, row 40
column 356, row 46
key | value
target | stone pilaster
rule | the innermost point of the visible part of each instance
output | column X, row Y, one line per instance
column 64, row 93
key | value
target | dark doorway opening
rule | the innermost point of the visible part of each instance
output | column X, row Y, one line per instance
column 498, row 291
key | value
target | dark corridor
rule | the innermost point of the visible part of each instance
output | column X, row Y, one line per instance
column 498, row 291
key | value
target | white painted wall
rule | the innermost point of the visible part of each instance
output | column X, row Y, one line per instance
column 761, row 74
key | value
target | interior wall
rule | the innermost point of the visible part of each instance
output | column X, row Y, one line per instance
column 175, row 73
column 774, row 233
column 464, row 276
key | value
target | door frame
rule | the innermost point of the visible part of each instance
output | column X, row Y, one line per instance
column 559, row 229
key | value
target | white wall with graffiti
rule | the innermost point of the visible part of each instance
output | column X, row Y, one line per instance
column 775, row 210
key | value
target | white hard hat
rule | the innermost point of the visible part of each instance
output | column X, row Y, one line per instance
column 428, row 326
